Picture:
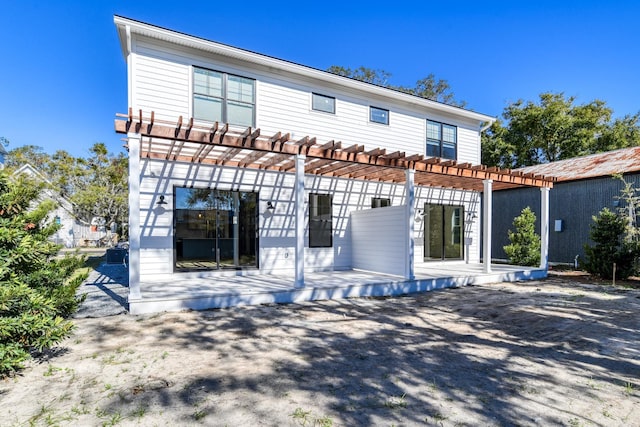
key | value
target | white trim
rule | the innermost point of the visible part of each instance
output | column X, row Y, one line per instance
column 487, row 213
column 134, row 216
column 544, row 227
column 410, row 192
column 298, row 194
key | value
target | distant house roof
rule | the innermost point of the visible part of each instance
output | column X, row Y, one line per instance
column 625, row 160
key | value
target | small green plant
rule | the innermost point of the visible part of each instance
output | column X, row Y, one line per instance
column 396, row 402
column 524, row 248
column 199, row 415
column 628, row 388
column 574, row 422
column 301, row 416
column 610, row 247
column 324, row 422
column 51, row 370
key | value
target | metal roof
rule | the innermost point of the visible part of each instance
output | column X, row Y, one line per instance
column 625, row 160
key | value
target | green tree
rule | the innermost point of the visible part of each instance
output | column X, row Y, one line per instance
column 37, row 291
column 31, row 154
column 96, row 186
column 555, row 128
column 610, row 247
column 428, row 87
column 101, row 186
column 524, row 248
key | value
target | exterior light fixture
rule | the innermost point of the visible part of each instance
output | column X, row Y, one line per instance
column 270, row 207
column 161, row 201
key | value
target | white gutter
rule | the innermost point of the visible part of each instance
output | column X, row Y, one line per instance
column 286, row 66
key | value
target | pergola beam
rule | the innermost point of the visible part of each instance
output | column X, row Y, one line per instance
column 194, row 143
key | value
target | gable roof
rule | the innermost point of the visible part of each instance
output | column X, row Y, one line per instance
column 127, row 26
column 625, row 160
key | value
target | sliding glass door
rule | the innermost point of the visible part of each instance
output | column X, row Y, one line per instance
column 443, row 232
column 215, row 229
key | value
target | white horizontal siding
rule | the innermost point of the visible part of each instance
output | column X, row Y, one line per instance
column 379, row 238
column 161, row 82
column 277, row 229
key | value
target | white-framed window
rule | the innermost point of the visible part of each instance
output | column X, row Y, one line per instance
column 323, row 103
column 223, row 97
column 442, row 140
column 379, row 115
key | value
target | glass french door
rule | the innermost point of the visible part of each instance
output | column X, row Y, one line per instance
column 215, row 229
column 443, row 232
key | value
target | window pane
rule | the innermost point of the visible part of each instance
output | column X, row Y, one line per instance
column 240, row 89
column 379, row 115
column 206, row 108
column 320, row 221
column 448, row 151
column 433, row 149
column 453, row 232
column 207, row 82
column 433, row 130
column 323, row 103
column 448, row 133
column 240, row 114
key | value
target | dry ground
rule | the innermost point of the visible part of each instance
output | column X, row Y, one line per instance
column 555, row 352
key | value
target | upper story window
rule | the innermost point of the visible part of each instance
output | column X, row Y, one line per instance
column 320, row 221
column 442, row 140
column 379, row 115
column 223, row 97
column 323, row 103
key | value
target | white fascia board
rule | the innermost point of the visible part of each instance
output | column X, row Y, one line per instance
column 246, row 56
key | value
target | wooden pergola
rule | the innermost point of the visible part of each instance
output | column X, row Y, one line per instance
column 185, row 141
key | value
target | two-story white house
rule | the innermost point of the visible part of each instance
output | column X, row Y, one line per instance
column 247, row 169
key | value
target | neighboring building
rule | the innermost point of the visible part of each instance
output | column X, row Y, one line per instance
column 247, row 163
column 584, row 186
column 3, row 155
column 62, row 214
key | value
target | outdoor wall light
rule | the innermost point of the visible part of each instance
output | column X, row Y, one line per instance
column 270, row 207
column 471, row 216
column 161, row 201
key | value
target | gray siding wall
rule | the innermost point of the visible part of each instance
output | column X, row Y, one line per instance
column 574, row 202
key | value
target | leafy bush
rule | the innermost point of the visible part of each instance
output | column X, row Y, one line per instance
column 37, row 290
column 525, row 243
column 608, row 232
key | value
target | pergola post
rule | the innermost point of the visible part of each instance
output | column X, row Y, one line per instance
column 544, row 227
column 486, row 224
column 134, row 216
column 298, row 195
column 409, row 189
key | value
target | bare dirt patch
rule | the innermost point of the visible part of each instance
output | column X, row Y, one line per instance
column 554, row 352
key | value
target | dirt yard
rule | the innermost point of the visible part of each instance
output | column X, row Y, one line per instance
column 555, row 352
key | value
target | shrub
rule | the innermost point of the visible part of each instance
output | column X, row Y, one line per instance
column 608, row 232
column 37, row 290
column 525, row 243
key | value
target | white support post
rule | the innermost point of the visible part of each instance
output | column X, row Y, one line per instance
column 409, row 189
column 486, row 224
column 544, row 227
column 298, row 194
column 134, row 216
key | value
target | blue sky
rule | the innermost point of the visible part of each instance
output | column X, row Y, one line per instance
column 63, row 77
